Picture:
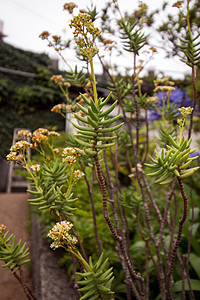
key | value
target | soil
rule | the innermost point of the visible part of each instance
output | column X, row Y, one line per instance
column 14, row 215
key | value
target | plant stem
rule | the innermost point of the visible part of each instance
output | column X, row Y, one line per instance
column 195, row 99
column 147, row 137
column 178, row 239
column 136, row 276
column 28, row 292
column 90, row 193
column 136, row 104
column 93, row 82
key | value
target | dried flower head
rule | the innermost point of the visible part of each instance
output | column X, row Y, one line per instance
column 164, row 88
column 142, row 8
column 53, row 133
column 67, row 84
column 178, row 4
column 153, row 49
column 58, row 108
column 44, row 35
column 69, row 7
column 108, row 42
column 58, row 79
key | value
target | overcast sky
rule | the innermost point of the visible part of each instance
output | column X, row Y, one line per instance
column 24, row 20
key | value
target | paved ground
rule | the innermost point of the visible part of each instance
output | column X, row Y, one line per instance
column 13, row 214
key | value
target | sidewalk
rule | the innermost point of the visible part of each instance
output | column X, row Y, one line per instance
column 13, row 214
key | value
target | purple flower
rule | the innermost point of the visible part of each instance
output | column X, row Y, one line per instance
column 195, row 153
column 153, row 115
column 177, row 96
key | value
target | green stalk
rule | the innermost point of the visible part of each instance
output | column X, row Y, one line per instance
column 79, row 256
column 93, row 82
column 188, row 16
column 70, row 182
column 3, row 241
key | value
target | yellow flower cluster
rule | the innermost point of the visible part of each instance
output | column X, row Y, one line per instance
column 86, row 33
column 59, row 233
column 185, row 111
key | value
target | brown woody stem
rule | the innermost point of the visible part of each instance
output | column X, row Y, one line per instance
column 178, row 239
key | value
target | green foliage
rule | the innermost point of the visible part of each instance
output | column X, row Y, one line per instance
column 164, row 136
column 24, row 101
column 13, row 254
column 52, row 189
column 92, row 136
column 177, row 286
column 53, row 198
column 123, row 86
column 55, row 173
column 173, row 163
column 97, row 280
column 17, row 59
column 3, row 89
column 77, row 78
column 171, row 113
column 191, row 49
column 131, row 200
column 133, row 39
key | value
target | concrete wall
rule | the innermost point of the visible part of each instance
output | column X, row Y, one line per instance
column 4, row 167
column 48, row 279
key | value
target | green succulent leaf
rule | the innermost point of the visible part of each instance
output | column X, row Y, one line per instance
column 172, row 163
column 96, row 283
column 12, row 254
